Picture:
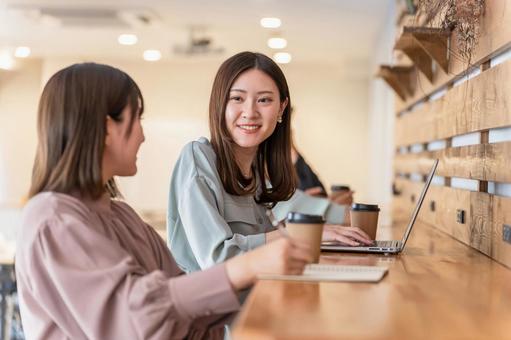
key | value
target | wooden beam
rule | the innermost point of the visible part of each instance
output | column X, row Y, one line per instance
column 484, row 162
column 478, row 105
column 486, row 65
column 423, row 45
column 485, row 139
column 435, row 42
column 501, row 249
column 409, row 45
column 399, row 78
column 448, row 144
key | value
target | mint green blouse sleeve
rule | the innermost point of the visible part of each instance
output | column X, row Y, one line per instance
column 306, row 204
column 205, row 224
column 211, row 239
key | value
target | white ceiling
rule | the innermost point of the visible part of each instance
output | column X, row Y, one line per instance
column 334, row 31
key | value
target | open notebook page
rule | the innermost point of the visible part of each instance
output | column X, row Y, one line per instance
column 331, row 272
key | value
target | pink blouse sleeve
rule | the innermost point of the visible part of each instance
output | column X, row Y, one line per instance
column 93, row 288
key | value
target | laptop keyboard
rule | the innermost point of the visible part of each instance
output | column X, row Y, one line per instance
column 385, row 244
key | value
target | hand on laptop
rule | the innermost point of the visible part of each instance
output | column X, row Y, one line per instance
column 351, row 236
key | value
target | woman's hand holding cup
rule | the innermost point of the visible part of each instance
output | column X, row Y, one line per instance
column 284, row 256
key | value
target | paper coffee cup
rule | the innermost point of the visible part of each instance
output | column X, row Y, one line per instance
column 365, row 216
column 308, row 229
column 337, row 190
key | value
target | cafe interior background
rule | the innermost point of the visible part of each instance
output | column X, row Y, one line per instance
column 343, row 115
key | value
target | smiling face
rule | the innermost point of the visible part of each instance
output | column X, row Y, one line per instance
column 252, row 109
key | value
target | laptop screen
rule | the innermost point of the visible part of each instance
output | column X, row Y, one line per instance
column 419, row 204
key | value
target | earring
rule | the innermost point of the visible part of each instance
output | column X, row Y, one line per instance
column 279, row 119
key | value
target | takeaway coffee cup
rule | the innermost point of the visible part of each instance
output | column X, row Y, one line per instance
column 308, row 229
column 365, row 216
column 339, row 189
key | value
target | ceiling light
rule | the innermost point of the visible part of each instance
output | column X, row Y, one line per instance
column 270, row 22
column 6, row 61
column 277, row 43
column 127, row 39
column 152, row 55
column 22, row 52
column 282, row 57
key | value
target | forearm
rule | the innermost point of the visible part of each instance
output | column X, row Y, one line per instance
column 239, row 272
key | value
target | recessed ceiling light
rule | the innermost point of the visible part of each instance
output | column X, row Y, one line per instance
column 22, row 52
column 277, row 43
column 282, row 57
column 127, row 39
column 152, row 55
column 270, row 22
column 6, row 61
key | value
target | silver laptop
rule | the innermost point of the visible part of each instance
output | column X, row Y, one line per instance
column 390, row 247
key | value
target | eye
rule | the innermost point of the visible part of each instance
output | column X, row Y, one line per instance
column 265, row 100
column 235, row 98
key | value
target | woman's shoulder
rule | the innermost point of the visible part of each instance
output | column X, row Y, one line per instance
column 47, row 204
column 50, row 208
column 199, row 148
column 198, row 157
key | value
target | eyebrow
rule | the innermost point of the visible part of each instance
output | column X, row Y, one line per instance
column 244, row 91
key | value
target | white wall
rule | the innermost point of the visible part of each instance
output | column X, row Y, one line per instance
column 330, row 123
column 381, row 123
column 19, row 92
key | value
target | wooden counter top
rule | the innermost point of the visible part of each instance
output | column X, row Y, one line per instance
column 437, row 288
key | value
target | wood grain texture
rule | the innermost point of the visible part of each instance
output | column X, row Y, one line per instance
column 485, row 162
column 480, row 104
column 423, row 45
column 485, row 215
column 400, row 78
column 437, row 289
column 414, row 50
column 501, row 250
column 495, row 36
column 405, row 200
column 435, row 43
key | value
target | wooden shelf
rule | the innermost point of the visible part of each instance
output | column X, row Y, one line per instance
column 423, row 45
column 400, row 78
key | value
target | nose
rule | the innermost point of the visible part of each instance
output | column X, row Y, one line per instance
column 250, row 109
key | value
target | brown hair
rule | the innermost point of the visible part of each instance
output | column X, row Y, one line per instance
column 71, row 127
column 273, row 159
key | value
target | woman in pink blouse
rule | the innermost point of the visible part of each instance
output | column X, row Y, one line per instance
column 87, row 266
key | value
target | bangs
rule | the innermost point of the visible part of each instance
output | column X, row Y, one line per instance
column 136, row 103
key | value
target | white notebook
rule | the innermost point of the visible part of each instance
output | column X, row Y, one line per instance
column 332, row 272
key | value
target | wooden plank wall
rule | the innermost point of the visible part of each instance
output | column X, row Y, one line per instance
column 476, row 218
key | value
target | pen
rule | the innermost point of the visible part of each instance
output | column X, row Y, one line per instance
column 277, row 224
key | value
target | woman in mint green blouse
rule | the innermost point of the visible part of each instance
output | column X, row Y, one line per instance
column 221, row 189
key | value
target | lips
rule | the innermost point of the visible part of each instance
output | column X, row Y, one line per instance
column 249, row 128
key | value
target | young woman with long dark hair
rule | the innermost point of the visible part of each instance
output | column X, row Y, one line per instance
column 221, row 189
